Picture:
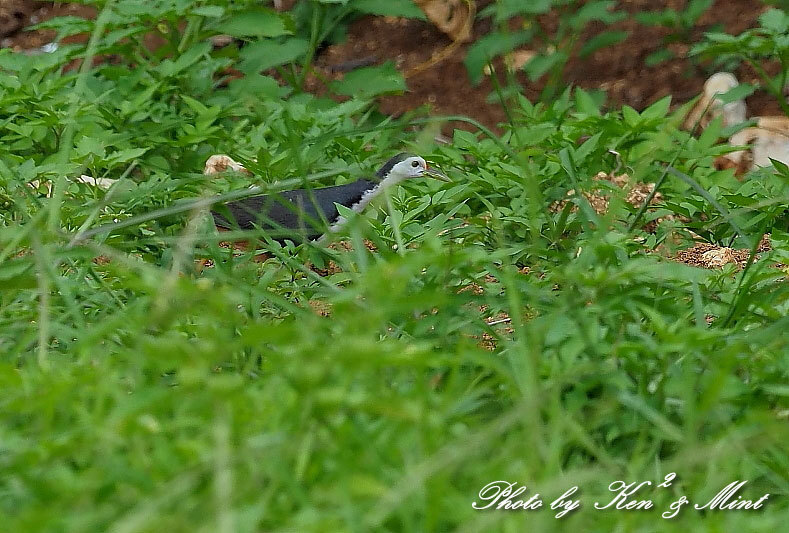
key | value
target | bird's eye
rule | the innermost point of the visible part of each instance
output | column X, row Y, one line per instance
column 415, row 164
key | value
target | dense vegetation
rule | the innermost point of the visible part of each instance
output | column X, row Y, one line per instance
column 499, row 327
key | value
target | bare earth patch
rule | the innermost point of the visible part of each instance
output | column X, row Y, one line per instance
column 599, row 198
column 710, row 256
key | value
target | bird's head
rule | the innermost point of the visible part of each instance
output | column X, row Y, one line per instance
column 405, row 166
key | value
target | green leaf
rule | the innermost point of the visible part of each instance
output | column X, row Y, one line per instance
column 17, row 274
column 775, row 20
column 169, row 68
column 694, row 10
column 721, row 37
column 596, row 10
column 658, row 57
column 464, row 139
column 668, row 18
column 492, row 45
column 345, row 211
column 66, row 26
column 710, row 135
column 601, row 40
column 587, row 148
column 9, row 81
column 123, row 156
column 780, row 166
column 89, row 145
column 728, row 131
column 584, row 103
column 541, row 64
column 120, row 34
column 740, row 92
column 534, row 135
column 657, row 110
column 506, row 9
column 259, row 87
column 631, row 116
column 371, row 81
column 257, row 22
column 209, row 11
column 389, row 8
column 196, row 106
column 267, row 54
column 778, row 389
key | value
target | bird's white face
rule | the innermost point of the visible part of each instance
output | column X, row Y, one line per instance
column 410, row 167
column 414, row 167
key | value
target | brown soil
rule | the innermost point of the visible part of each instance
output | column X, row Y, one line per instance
column 619, row 69
column 13, row 14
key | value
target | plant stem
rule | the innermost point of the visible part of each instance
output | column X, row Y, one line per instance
column 318, row 16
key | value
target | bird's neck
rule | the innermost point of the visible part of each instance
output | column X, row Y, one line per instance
column 377, row 187
column 374, row 190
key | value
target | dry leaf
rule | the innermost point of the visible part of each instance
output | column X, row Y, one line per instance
column 718, row 257
column 709, row 107
column 453, row 17
column 514, row 61
column 221, row 163
column 768, row 140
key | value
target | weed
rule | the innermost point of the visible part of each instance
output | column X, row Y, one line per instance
column 681, row 23
column 466, row 332
column 757, row 47
column 555, row 47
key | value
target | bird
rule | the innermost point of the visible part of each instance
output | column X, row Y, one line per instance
column 313, row 213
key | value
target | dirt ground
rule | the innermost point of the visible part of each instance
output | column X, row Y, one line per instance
column 620, row 70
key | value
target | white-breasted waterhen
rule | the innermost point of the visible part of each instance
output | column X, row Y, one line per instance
column 310, row 213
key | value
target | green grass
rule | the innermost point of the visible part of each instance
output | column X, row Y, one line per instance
column 141, row 395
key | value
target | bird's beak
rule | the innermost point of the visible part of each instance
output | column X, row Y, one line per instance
column 433, row 173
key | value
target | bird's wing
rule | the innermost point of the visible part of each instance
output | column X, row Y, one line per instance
column 292, row 211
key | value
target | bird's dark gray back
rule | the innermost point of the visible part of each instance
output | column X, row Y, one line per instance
column 300, row 212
